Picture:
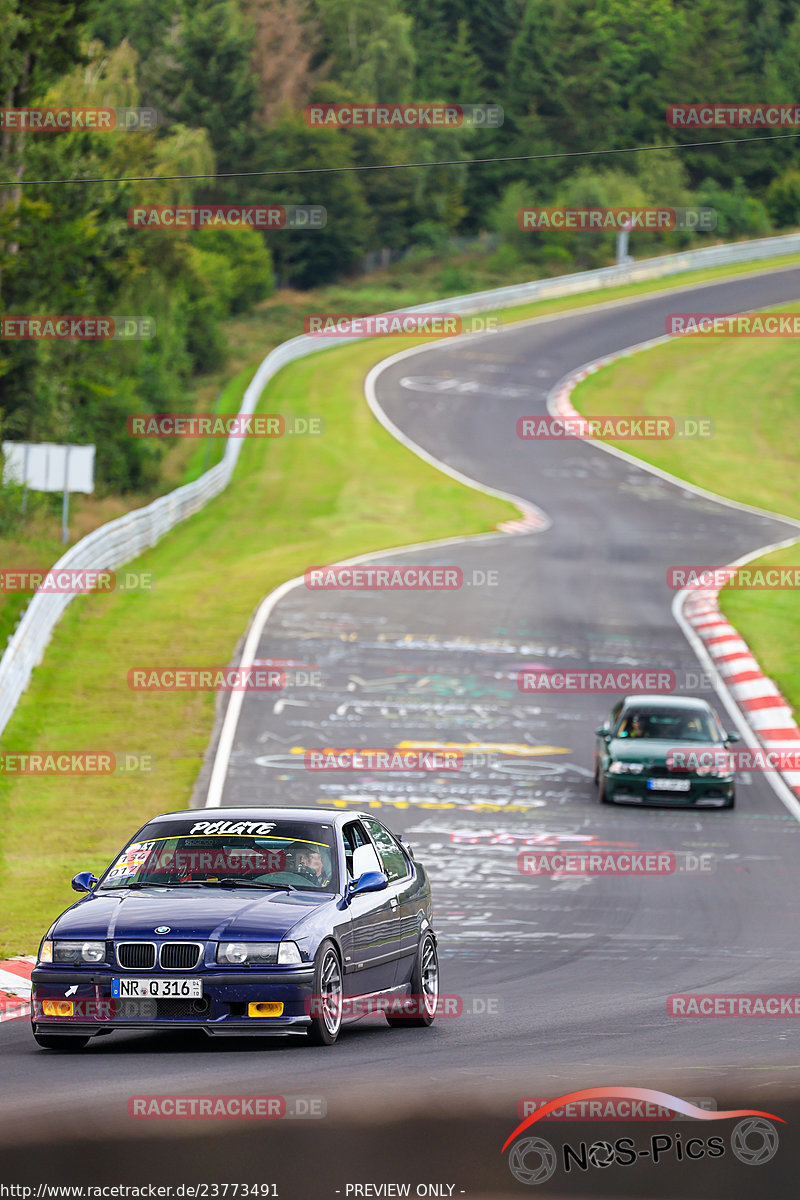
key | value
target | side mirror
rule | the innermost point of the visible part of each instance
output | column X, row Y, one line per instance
column 733, row 736
column 602, row 732
column 84, row 881
column 370, row 881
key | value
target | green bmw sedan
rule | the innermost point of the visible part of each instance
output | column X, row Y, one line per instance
column 664, row 749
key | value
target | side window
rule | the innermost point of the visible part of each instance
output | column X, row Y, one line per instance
column 394, row 861
column 354, row 836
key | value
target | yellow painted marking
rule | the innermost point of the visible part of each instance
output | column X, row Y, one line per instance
column 518, row 748
column 386, row 801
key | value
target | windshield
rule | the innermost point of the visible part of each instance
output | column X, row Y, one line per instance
column 669, row 725
column 273, row 854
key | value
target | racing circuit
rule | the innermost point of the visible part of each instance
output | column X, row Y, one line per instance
column 564, row 980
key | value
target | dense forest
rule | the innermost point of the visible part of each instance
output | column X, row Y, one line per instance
column 230, row 80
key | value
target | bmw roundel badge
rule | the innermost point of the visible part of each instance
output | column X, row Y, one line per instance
column 161, row 929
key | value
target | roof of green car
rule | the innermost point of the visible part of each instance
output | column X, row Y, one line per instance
column 660, row 701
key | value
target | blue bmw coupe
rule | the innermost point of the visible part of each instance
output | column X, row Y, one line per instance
column 242, row 921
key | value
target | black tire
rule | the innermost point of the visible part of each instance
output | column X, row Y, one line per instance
column 424, row 986
column 326, row 996
column 57, row 1041
column 601, row 790
column 596, row 776
column 731, row 803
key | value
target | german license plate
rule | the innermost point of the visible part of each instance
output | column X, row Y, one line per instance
column 669, row 785
column 158, row 989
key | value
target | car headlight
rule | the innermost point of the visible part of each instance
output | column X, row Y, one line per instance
column 625, row 768
column 72, row 952
column 93, row 952
column 289, row 954
column 241, row 954
column 717, row 772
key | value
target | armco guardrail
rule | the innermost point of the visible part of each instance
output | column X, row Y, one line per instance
column 124, row 539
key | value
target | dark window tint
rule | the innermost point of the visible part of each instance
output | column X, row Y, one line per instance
column 391, row 856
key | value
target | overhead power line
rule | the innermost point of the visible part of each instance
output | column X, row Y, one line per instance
column 442, row 162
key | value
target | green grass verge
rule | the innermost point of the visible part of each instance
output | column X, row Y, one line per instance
column 750, row 388
column 291, row 504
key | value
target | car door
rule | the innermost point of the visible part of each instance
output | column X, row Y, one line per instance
column 408, row 895
column 370, row 957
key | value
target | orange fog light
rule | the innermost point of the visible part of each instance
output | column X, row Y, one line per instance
column 57, row 1008
column 265, row 1008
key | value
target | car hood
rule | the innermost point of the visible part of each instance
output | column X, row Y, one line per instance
column 653, row 751
column 191, row 913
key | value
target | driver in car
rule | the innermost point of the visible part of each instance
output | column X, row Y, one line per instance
column 634, row 727
column 309, row 864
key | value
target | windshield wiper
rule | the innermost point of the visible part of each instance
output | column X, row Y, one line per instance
column 251, row 883
column 154, row 884
column 230, row 883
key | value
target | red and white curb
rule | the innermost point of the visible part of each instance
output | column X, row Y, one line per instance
column 15, row 987
column 762, row 707
column 533, row 520
column 560, row 404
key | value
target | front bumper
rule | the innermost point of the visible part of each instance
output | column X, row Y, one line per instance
column 703, row 792
column 223, row 1008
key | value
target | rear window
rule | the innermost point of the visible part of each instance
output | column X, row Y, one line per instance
column 212, row 852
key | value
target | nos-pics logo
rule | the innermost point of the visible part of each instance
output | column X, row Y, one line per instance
column 533, row 1160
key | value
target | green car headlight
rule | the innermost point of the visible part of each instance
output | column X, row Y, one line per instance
column 718, row 772
column 625, row 768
